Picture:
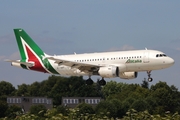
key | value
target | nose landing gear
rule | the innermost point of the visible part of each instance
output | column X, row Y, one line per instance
column 149, row 76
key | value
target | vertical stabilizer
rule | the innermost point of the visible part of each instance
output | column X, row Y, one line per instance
column 27, row 45
column 31, row 53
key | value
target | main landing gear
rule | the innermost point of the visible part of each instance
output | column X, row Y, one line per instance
column 89, row 81
column 149, row 76
column 101, row 82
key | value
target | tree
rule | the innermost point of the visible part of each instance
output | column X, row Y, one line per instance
column 23, row 90
column 38, row 110
column 85, row 108
column 145, row 84
column 72, row 86
column 63, row 110
column 12, row 111
column 112, row 87
column 6, row 88
column 3, row 108
column 166, row 97
column 140, row 105
column 34, row 89
column 152, row 104
column 119, row 107
column 106, row 108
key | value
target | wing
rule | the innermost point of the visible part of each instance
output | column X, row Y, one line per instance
column 29, row 64
column 74, row 64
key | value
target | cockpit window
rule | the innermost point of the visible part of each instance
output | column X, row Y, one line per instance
column 161, row 55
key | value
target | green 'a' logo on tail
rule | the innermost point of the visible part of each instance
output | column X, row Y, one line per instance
column 31, row 52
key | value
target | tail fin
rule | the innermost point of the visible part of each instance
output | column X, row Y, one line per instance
column 26, row 45
column 32, row 57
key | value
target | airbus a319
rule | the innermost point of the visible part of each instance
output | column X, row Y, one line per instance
column 122, row 64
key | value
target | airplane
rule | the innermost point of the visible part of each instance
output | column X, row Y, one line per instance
column 122, row 64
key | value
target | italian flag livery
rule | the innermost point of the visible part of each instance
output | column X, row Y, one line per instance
column 32, row 57
column 122, row 64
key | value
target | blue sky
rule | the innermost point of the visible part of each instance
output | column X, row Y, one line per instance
column 68, row 26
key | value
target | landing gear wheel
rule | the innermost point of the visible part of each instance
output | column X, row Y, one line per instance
column 89, row 81
column 150, row 79
column 102, row 82
column 149, row 76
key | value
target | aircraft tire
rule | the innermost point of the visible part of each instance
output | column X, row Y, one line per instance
column 89, row 81
column 150, row 79
column 102, row 82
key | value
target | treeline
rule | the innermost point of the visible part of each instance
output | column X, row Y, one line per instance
column 121, row 100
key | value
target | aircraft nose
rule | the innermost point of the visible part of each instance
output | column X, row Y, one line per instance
column 170, row 61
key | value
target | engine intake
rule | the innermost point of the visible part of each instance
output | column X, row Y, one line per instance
column 109, row 72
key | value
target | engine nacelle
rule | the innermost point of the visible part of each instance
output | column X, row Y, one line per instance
column 128, row 75
column 109, row 72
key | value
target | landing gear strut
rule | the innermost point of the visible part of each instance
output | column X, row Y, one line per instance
column 149, row 76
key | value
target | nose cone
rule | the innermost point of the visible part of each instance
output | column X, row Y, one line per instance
column 170, row 61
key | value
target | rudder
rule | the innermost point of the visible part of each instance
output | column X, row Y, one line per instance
column 25, row 43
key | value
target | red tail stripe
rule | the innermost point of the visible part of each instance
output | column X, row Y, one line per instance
column 32, row 58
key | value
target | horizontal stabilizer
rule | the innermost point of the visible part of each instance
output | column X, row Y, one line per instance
column 29, row 64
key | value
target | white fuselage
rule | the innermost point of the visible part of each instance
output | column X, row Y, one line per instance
column 127, row 61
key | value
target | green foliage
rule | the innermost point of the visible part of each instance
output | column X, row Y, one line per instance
column 63, row 110
column 72, row 86
column 38, row 110
column 121, row 100
column 85, row 109
column 23, row 90
column 13, row 111
column 140, row 105
column 166, row 97
column 3, row 108
column 109, row 108
column 145, row 84
column 6, row 88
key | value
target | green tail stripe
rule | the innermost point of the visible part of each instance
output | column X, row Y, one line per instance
column 20, row 33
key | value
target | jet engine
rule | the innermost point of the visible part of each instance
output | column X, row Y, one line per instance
column 128, row 75
column 109, row 72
